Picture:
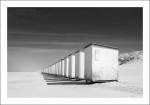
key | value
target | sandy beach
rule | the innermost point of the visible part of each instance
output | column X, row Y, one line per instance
column 37, row 85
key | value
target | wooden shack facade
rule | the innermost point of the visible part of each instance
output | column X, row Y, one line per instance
column 101, row 63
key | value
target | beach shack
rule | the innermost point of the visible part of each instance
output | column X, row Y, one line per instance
column 62, row 67
column 71, row 66
column 56, row 68
column 53, row 69
column 101, row 62
column 46, row 70
column 79, row 65
column 59, row 67
column 66, row 61
column 49, row 70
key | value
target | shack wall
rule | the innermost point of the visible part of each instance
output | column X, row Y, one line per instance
column 49, row 70
column 53, row 69
column 56, row 68
column 104, row 63
column 72, row 66
column 88, row 63
column 62, row 67
column 66, row 66
column 79, row 65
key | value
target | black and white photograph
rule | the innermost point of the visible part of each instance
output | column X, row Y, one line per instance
column 78, row 52
column 75, row 52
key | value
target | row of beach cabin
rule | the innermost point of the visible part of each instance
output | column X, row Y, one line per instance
column 94, row 63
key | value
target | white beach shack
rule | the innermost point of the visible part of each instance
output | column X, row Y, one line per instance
column 79, row 65
column 56, row 68
column 66, row 68
column 59, row 65
column 62, row 67
column 53, row 69
column 101, row 63
column 46, row 70
column 71, row 66
column 42, row 71
column 49, row 70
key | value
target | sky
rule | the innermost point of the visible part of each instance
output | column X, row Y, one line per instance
column 38, row 37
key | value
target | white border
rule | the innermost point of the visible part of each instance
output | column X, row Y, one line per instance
column 5, row 4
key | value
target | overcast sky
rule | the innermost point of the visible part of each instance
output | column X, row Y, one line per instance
column 41, row 36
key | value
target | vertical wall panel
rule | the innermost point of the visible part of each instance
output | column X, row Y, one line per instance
column 62, row 67
column 72, row 66
column 66, row 66
column 79, row 65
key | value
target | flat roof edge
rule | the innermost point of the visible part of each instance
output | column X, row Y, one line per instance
column 77, row 51
column 69, row 55
column 101, row 46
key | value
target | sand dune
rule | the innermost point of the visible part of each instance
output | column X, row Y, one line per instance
column 132, row 56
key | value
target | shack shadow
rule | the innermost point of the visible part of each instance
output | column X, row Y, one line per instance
column 70, row 83
column 58, row 80
column 51, row 79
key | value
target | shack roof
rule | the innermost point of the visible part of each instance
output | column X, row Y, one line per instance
column 77, row 51
column 70, row 55
column 95, row 44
